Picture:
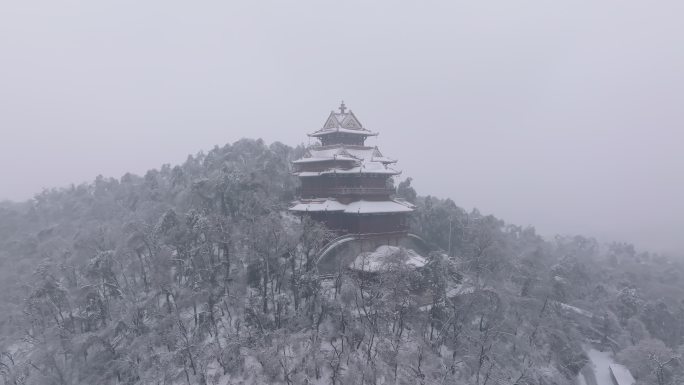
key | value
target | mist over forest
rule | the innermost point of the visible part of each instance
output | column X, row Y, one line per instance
column 194, row 274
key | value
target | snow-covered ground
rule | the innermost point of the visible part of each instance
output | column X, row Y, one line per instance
column 600, row 363
column 622, row 374
column 581, row 380
column 379, row 259
column 575, row 309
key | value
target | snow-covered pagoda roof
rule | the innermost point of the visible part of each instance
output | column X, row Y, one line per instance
column 352, row 153
column 343, row 122
column 377, row 168
column 356, row 160
column 357, row 207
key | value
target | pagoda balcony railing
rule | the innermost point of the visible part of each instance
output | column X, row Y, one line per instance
column 323, row 192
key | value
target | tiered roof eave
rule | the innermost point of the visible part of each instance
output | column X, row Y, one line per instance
column 357, row 207
column 359, row 154
column 351, row 171
column 328, row 131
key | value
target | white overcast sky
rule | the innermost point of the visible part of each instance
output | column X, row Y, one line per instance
column 564, row 115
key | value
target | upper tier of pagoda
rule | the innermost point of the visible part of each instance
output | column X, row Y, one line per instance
column 342, row 150
column 342, row 128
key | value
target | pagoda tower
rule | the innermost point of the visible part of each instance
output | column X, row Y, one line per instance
column 347, row 185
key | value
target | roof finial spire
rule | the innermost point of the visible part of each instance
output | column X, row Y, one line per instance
column 342, row 107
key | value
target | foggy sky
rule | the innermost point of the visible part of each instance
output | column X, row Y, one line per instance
column 562, row 115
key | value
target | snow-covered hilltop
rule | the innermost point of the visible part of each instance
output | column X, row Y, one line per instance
column 197, row 274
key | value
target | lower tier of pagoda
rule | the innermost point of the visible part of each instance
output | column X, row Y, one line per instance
column 357, row 217
column 363, row 224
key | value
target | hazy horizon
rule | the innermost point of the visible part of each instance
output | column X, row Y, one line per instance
column 565, row 117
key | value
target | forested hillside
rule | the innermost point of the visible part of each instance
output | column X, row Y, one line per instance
column 195, row 274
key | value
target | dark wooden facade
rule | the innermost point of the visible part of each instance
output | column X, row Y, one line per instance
column 346, row 187
column 369, row 224
column 342, row 138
